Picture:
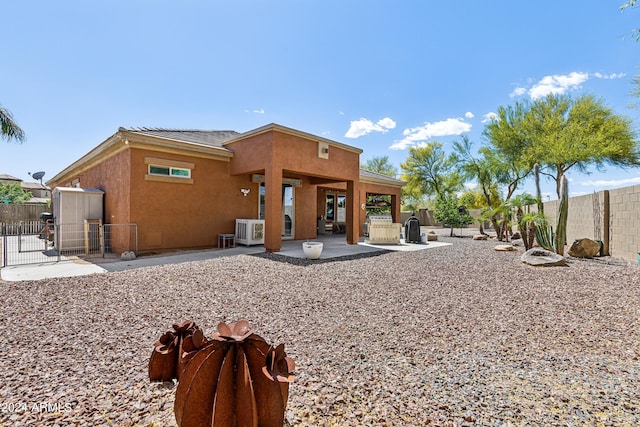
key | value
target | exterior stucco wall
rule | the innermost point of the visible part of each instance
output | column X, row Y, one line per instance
column 292, row 154
column 111, row 176
column 285, row 155
column 175, row 215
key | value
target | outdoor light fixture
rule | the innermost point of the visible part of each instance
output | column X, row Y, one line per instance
column 245, row 191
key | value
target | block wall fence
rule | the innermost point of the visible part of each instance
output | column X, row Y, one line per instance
column 612, row 216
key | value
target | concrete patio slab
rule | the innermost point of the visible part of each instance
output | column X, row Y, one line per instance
column 334, row 246
column 49, row 270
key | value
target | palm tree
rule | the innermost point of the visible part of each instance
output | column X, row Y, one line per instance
column 8, row 128
column 525, row 220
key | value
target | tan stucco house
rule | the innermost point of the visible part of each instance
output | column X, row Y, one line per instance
column 185, row 187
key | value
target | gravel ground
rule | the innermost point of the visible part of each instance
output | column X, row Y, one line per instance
column 452, row 336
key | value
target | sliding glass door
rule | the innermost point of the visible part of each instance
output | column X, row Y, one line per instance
column 288, row 209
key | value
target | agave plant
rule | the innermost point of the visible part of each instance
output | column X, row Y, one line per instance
column 234, row 379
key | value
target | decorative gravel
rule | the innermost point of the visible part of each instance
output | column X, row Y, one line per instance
column 459, row 335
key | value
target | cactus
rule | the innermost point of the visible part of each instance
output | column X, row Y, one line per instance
column 563, row 212
column 536, row 174
column 544, row 235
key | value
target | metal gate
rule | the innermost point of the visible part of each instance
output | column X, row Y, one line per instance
column 25, row 243
column 32, row 243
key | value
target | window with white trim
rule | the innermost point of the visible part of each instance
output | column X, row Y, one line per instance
column 169, row 171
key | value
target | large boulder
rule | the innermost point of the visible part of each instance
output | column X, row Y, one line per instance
column 584, row 248
column 543, row 258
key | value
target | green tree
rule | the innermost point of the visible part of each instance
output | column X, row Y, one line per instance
column 9, row 129
column 508, row 140
column 485, row 170
column 473, row 199
column 13, row 193
column 635, row 81
column 381, row 165
column 635, row 92
column 428, row 171
column 630, row 4
column 559, row 133
column 447, row 210
column 567, row 133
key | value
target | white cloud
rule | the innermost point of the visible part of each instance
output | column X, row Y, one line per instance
column 557, row 84
column 610, row 182
column 560, row 84
column 420, row 134
column 364, row 126
column 257, row 111
column 469, row 115
column 519, row 91
column 489, row 117
column 609, row 76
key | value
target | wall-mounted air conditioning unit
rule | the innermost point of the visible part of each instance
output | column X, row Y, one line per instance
column 250, row 232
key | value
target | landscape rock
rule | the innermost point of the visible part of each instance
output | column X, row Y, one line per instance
column 128, row 256
column 516, row 235
column 517, row 242
column 543, row 258
column 505, row 248
column 584, row 248
column 432, row 237
column 447, row 336
column 480, row 237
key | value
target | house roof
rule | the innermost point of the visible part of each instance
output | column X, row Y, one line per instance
column 201, row 141
column 213, row 138
column 33, row 185
column 5, row 177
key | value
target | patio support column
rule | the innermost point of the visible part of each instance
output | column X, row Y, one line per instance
column 353, row 213
column 395, row 208
column 273, row 209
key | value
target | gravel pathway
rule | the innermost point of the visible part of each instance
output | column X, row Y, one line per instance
column 459, row 335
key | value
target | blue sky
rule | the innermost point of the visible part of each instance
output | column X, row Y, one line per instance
column 379, row 75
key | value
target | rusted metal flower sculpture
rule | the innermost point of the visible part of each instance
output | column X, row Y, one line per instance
column 173, row 350
column 234, row 379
